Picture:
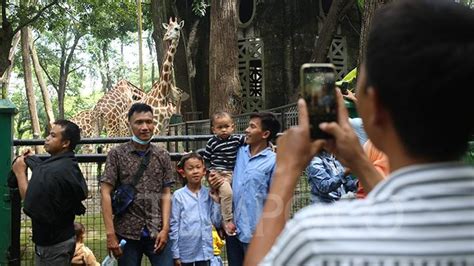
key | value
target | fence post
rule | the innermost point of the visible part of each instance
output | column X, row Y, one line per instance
column 7, row 252
column 168, row 146
column 282, row 120
column 186, row 131
column 176, row 147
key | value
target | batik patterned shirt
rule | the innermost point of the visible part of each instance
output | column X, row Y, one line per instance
column 122, row 163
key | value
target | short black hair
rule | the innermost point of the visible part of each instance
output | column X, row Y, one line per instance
column 420, row 60
column 70, row 132
column 139, row 108
column 188, row 156
column 79, row 230
column 219, row 114
column 269, row 122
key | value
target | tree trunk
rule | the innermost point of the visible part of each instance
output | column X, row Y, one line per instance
column 6, row 39
column 44, row 90
column 160, row 11
column 369, row 10
column 103, row 75
column 191, row 51
column 7, row 33
column 149, row 42
column 65, row 64
column 224, row 81
column 288, row 50
column 11, row 58
column 324, row 40
column 30, row 94
column 105, row 55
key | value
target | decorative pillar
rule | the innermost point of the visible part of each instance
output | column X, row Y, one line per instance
column 7, row 111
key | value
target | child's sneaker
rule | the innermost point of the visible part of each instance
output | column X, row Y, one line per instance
column 229, row 228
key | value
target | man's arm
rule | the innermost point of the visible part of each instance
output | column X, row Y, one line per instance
column 162, row 237
column 106, row 201
column 19, row 168
column 295, row 150
column 174, row 227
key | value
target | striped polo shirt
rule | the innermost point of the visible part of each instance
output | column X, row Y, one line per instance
column 420, row 215
column 222, row 153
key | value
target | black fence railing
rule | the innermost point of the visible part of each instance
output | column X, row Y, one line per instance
column 287, row 115
column 182, row 137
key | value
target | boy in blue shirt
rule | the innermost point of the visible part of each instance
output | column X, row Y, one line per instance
column 192, row 214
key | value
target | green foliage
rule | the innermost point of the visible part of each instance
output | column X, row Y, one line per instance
column 199, row 7
column 469, row 3
column 102, row 27
column 349, row 80
column 360, row 4
column 469, row 157
column 18, row 12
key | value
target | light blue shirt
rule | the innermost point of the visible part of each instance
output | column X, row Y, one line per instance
column 326, row 179
column 358, row 127
column 250, row 185
column 190, row 224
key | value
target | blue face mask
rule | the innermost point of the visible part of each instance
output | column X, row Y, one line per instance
column 139, row 141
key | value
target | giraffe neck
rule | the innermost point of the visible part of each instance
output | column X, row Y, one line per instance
column 163, row 89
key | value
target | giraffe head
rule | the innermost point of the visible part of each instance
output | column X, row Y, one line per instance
column 178, row 96
column 172, row 29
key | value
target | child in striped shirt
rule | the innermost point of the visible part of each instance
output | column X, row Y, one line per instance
column 220, row 157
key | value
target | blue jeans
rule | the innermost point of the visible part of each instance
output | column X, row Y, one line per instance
column 134, row 249
column 235, row 251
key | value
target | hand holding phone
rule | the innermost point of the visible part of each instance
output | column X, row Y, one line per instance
column 317, row 82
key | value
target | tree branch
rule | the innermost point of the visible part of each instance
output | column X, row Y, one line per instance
column 35, row 17
column 74, row 69
column 346, row 8
column 332, row 20
column 48, row 76
column 77, row 36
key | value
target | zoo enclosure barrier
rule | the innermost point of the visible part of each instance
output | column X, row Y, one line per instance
column 286, row 114
column 92, row 166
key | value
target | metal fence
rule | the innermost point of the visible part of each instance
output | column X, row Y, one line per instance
column 181, row 137
column 287, row 115
column 92, row 166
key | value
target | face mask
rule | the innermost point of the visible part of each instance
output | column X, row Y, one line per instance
column 139, row 141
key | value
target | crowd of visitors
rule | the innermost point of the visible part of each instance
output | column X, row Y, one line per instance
column 387, row 189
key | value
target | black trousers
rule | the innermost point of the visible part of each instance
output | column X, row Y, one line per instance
column 197, row 263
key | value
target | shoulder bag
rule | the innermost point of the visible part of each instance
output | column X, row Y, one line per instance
column 124, row 194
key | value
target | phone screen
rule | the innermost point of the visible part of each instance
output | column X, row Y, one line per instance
column 320, row 96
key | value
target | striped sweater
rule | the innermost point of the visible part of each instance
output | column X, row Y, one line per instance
column 222, row 153
column 420, row 215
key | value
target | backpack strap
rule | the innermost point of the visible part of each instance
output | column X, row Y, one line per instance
column 143, row 165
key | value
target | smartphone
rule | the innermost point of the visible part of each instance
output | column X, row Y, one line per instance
column 317, row 82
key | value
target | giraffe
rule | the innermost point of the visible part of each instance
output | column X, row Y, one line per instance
column 109, row 109
column 164, row 97
column 106, row 112
column 86, row 122
column 104, row 115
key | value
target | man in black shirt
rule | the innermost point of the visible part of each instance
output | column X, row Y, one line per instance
column 52, row 197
